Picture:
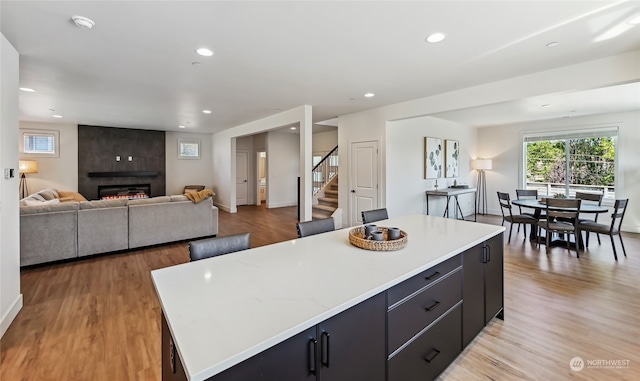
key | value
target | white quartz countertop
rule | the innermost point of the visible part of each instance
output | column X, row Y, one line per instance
column 225, row 309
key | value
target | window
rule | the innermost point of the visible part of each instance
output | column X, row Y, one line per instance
column 566, row 162
column 188, row 149
column 39, row 143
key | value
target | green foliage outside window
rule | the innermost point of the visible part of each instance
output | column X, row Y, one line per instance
column 591, row 161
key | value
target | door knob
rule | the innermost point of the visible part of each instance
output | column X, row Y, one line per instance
column 353, row 191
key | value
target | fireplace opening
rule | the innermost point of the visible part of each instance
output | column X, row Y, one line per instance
column 132, row 191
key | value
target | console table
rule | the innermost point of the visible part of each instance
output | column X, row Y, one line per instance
column 319, row 307
column 454, row 192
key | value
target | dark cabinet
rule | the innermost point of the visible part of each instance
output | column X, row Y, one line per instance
column 482, row 291
column 431, row 352
column 349, row 346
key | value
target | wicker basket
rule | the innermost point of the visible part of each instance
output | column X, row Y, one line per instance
column 356, row 237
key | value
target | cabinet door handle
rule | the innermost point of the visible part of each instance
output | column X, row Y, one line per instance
column 172, row 356
column 433, row 276
column 324, row 345
column 488, row 253
column 432, row 355
column 484, row 255
column 313, row 344
column 433, row 306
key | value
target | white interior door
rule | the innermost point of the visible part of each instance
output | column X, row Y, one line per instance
column 242, row 176
column 363, row 179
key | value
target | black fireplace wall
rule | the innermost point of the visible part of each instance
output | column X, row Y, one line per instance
column 98, row 152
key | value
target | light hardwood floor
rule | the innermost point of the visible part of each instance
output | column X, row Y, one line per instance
column 99, row 318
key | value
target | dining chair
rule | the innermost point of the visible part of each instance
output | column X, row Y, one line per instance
column 192, row 188
column 374, row 215
column 619, row 209
column 562, row 218
column 211, row 247
column 313, row 227
column 507, row 215
column 595, row 199
column 523, row 194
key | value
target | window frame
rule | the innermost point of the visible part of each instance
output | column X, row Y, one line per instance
column 568, row 134
column 55, row 134
column 182, row 156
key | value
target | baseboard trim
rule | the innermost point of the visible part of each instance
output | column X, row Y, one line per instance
column 281, row 204
column 11, row 314
column 222, row 207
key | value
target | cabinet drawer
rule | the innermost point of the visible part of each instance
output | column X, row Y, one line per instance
column 427, row 356
column 413, row 315
column 415, row 283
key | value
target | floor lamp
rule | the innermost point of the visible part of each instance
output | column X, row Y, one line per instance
column 482, row 165
column 26, row 166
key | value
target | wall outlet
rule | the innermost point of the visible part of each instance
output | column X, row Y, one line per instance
column 117, row 158
column 130, row 158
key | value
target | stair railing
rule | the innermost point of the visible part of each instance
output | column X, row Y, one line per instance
column 324, row 171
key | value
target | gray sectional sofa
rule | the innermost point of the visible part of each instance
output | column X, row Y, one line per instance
column 64, row 230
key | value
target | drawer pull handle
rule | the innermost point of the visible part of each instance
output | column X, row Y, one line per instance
column 433, row 276
column 324, row 345
column 313, row 344
column 433, row 306
column 432, row 356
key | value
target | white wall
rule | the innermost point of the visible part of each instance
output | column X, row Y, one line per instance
column 405, row 165
column 188, row 172
column 283, row 154
column 61, row 172
column 10, row 296
column 371, row 124
column 504, row 145
column 325, row 141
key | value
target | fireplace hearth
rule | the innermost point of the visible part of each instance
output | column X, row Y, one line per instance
column 129, row 191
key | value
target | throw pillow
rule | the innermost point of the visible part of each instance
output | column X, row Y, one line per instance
column 36, row 202
column 49, row 194
column 76, row 196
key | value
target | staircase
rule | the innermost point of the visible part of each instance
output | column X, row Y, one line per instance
column 327, row 201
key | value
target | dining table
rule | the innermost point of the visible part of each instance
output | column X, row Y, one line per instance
column 539, row 205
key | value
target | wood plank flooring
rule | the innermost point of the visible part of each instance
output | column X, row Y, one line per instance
column 99, row 318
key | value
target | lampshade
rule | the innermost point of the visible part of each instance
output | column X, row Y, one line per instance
column 482, row 164
column 28, row 166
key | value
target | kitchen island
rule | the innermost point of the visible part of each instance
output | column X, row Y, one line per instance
column 303, row 305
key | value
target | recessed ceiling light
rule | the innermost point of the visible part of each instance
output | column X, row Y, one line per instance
column 635, row 20
column 369, row 95
column 83, row 22
column 293, row 128
column 436, row 37
column 204, row 52
column 56, row 116
column 181, row 127
column 27, row 89
column 552, row 44
column 206, row 111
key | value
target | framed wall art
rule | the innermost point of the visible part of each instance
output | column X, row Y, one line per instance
column 432, row 158
column 451, row 158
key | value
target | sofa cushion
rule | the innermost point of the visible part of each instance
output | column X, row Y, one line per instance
column 48, row 208
column 98, row 204
column 147, row 201
column 178, row 197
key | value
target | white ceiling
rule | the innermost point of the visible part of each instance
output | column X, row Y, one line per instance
column 134, row 68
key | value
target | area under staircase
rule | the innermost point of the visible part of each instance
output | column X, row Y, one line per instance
column 325, row 186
